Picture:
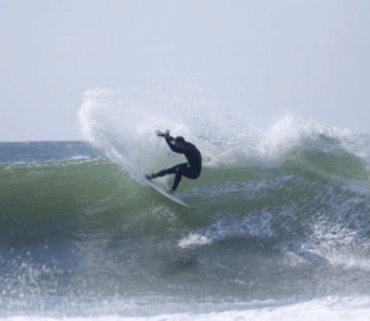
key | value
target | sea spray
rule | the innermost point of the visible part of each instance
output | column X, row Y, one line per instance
column 122, row 124
column 282, row 215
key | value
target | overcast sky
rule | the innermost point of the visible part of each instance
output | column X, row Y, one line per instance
column 309, row 57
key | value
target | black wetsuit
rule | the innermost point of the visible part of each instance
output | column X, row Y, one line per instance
column 191, row 169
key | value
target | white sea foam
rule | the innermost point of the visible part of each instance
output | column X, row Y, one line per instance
column 122, row 124
column 336, row 309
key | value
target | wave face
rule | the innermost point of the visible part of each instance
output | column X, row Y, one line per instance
column 282, row 215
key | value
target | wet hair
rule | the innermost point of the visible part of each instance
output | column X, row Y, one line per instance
column 179, row 140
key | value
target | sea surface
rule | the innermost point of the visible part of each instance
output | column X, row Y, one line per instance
column 281, row 229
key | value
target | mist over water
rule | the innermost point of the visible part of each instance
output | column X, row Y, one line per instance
column 122, row 122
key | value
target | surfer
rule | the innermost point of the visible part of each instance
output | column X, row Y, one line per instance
column 191, row 169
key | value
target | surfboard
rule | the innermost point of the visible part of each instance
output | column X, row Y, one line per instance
column 162, row 191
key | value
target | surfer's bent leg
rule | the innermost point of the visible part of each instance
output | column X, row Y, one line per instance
column 180, row 170
column 172, row 170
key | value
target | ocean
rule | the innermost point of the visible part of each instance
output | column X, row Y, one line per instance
column 281, row 229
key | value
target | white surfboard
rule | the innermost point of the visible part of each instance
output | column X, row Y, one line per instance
column 161, row 190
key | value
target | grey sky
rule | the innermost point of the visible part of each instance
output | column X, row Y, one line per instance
column 308, row 57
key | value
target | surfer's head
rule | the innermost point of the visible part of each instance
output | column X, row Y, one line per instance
column 179, row 141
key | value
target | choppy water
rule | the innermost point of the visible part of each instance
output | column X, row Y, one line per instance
column 281, row 228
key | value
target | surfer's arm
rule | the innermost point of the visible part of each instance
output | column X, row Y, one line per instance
column 165, row 135
column 169, row 137
column 170, row 143
column 169, row 140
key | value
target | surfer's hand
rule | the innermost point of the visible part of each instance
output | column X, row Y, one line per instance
column 160, row 134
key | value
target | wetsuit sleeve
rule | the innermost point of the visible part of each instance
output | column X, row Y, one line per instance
column 173, row 147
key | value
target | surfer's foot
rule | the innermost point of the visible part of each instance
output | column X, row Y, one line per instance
column 171, row 191
column 149, row 177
